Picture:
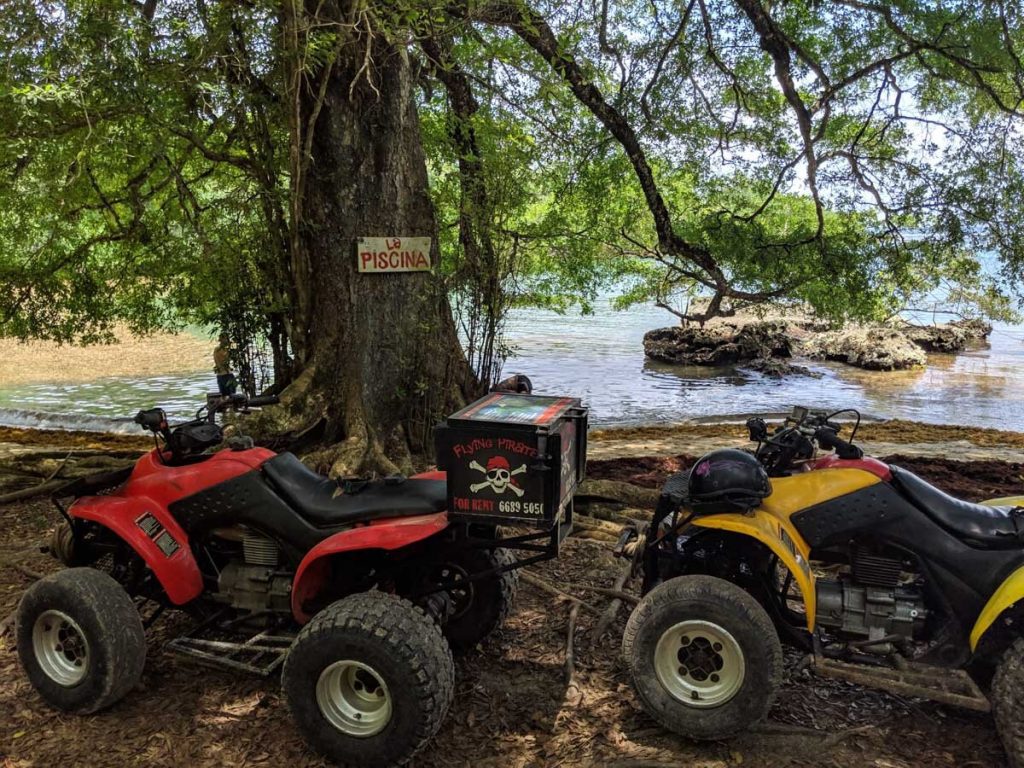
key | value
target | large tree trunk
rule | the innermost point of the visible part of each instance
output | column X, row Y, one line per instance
column 382, row 362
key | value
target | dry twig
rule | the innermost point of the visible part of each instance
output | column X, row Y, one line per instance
column 60, row 467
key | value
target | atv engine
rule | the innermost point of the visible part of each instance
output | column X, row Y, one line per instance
column 869, row 604
column 253, row 582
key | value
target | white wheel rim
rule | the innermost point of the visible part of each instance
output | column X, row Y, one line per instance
column 60, row 648
column 699, row 663
column 353, row 698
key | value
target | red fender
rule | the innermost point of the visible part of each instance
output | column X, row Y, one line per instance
column 434, row 474
column 392, row 533
column 178, row 573
column 867, row 463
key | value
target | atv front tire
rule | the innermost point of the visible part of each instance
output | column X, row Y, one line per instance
column 480, row 606
column 80, row 640
column 369, row 680
column 1007, row 696
column 704, row 657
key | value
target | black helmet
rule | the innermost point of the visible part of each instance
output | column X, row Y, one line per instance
column 728, row 479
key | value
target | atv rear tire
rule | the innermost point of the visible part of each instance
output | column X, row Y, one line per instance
column 483, row 605
column 80, row 640
column 369, row 680
column 1007, row 696
column 704, row 657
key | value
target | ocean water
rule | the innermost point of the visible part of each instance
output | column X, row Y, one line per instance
column 600, row 358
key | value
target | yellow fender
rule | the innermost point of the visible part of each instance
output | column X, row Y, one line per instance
column 782, row 539
column 1006, row 501
column 1009, row 592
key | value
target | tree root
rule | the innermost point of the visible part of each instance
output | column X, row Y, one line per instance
column 826, row 740
column 572, row 689
column 25, row 571
column 631, row 495
column 573, row 694
column 593, row 534
column 596, row 524
column 30, row 493
column 538, row 582
column 613, row 607
column 7, row 624
column 626, row 597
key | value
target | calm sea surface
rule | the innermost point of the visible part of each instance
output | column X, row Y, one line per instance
column 600, row 358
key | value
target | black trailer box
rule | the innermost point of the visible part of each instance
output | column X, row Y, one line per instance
column 514, row 459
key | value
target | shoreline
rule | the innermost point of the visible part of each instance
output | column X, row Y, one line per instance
column 878, row 438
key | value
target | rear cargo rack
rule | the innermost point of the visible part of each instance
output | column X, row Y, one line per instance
column 514, row 459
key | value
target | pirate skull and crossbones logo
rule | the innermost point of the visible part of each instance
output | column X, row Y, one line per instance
column 499, row 476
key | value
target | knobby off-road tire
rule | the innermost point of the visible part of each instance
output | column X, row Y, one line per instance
column 483, row 605
column 369, row 680
column 704, row 657
column 80, row 640
column 1007, row 696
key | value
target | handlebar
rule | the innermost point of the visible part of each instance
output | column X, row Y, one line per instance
column 191, row 438
column 794, row 440
column 153, row 419
column 827, row 438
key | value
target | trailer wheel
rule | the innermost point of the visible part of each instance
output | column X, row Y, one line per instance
column 479, row 607
column 704, row 657
column 369, row 680
column 80, row 640
column 1007, row 697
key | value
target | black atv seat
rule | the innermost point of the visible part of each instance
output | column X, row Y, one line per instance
column 987, row 526
column 321, row 502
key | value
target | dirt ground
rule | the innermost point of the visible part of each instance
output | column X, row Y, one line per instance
column 513, row 706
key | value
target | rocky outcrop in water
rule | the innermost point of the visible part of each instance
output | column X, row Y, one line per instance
column 718, row 344
column 947, row 337
column 976, row 330
column 937, row 338
column 872, row 348
column 775, row 368
column 763, row 345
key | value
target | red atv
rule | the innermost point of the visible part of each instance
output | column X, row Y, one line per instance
column 358, row 591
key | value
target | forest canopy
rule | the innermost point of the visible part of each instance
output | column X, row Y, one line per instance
column 854, row 156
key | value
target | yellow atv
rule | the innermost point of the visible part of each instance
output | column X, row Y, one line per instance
column 882, row 578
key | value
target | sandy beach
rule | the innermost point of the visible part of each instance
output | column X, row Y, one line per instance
column 46, row 362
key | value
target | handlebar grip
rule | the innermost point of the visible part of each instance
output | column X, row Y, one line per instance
column 757, row 429
column 152, row 419
column 827, row 438
column 262, row 400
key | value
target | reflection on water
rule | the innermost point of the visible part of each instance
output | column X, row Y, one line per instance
column 600, row 358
